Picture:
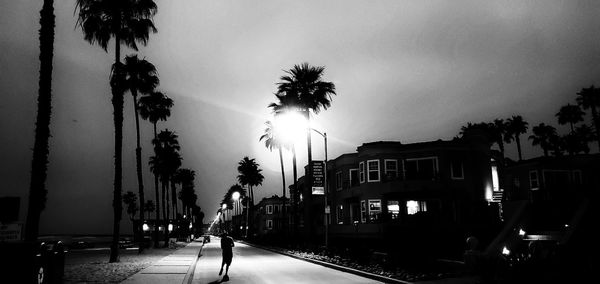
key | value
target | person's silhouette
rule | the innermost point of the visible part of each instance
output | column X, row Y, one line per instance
column 227, row 250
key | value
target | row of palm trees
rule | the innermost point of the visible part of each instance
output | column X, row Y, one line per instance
column 249, row 176
column 129, row 23
column 545, row 136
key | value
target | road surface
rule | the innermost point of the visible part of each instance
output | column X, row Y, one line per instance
column 254, row 265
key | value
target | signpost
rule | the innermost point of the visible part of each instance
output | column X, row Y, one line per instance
column 318, row 178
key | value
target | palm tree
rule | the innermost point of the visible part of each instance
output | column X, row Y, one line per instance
column 141, row 78
column 557, row 145
column 155, row 107
column 39, row 163
column 570, row 114
column 542, row 134
column 129, row 22
column 149, row 206
column 308, row 91
column 166, row 162
column 271, row 141
column 589, row 98
column 130, row 199
column 515, row 126
column 249, row 174
column 498, row 130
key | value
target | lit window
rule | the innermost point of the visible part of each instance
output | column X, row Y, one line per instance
column 374, row 209
column 354, row 177
column 269, row 224
column 495, row 182
column 456, row 170
column 361, row 171
column 340, row 214
column 391, row 169
column 363, row 211
column 413, row 206
column 373, row 168
column 393, row 208
column 338, row 180
column 269, row 209
column 533, row 180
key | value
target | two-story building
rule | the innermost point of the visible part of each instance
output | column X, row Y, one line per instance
column 269, row 218
column 389, row 195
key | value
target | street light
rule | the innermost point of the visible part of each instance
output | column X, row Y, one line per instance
column 324, row 135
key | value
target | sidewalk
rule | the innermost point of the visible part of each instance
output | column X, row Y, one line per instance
column 177, row 267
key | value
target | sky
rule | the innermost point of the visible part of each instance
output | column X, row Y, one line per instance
column 406, row 71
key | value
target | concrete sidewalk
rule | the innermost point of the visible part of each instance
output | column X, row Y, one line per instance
column 177, row 267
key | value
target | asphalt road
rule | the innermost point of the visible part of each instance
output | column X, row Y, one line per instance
column 254, row 265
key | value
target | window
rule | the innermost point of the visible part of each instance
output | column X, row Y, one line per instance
column 456, row 170
column 577, row 177
column 391, row 169
column 412, row 207
column 373, row 168
column 275, row 209
column 363, row 211
column 495, row 180
column 393, row 208
column 534, row 183
column 269, row 224
column 374, row 209
column 338, row 180
column 421, row 168
column 354, row 177
column 340, row 214
column 269, row 209
column 361, row 171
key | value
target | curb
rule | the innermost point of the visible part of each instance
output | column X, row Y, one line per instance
column 335, row 266
column 189, row 276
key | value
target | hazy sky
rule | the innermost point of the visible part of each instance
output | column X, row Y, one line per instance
column 404, row 70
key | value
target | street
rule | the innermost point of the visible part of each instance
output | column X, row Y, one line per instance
column 254, row 265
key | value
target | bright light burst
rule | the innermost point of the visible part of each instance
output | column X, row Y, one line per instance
column 290, row 127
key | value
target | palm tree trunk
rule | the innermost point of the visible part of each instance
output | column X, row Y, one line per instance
column 167, row 217
column 138, row 159
column 296, row 193
column 518, row 146
column 39, row 163
column 309, row 147
column 157, row 198
column 283, row 213
column 174, row 198
column 117, row 101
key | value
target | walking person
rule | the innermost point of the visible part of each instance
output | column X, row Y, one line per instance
column 227, row 250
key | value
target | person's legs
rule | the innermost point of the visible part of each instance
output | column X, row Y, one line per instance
column 227, row 268
column 222, row 263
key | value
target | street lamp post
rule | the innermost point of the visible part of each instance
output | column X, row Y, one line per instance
column 324, row 135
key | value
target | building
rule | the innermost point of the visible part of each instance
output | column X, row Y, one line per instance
column 269, row 216
column 394, row 196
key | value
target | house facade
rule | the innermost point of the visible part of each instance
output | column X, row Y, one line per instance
column 389, row 194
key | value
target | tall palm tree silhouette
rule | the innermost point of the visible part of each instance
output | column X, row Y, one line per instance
column 272, row 141
column 187, row 195
column 589, row 98
column 155, row 107
column 39, row 163
column 570, row 114
column 498, row 131
column 515, row 127
column 141, row 78
column 542, row 136
column 310, row 93
column 249, row 174
column 129, row 22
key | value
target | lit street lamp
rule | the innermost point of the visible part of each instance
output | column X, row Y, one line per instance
column 288, row 125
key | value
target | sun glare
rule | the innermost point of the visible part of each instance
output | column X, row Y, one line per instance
column 290, row 127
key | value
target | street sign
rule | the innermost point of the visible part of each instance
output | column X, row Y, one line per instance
column 10, row 232
column 318, row 177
